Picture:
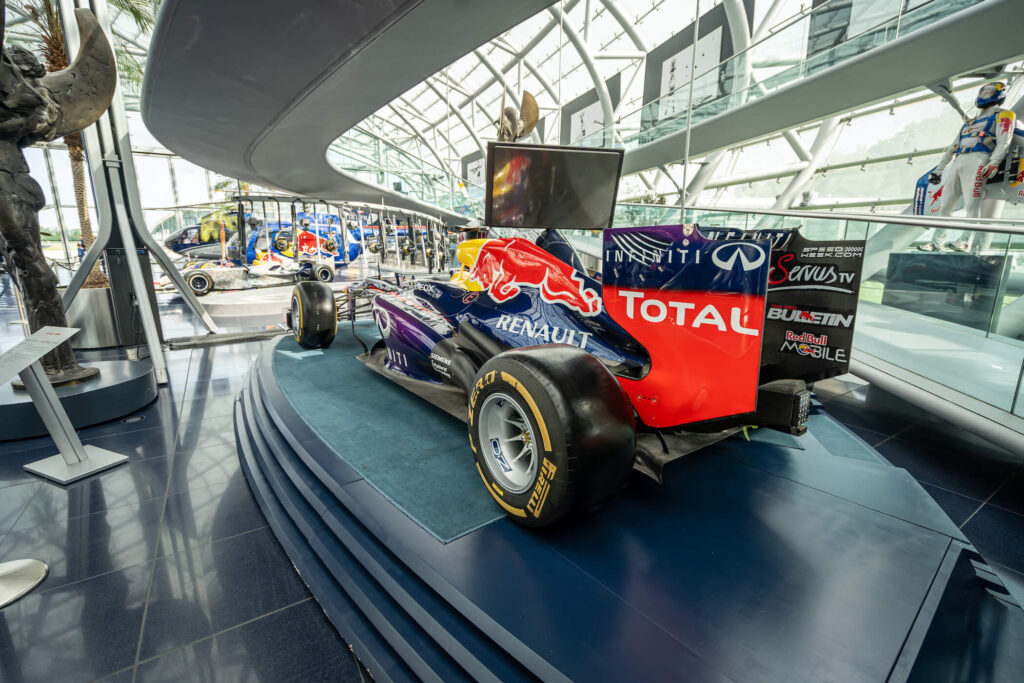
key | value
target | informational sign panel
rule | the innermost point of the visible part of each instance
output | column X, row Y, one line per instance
column 584, row 117
column 811, row 306
column 672, row 65
column 476, row 170
column 540, row 130
column 28, row 351
column 679, row 69
column 586, row 121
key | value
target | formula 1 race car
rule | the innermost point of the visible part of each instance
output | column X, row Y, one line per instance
column 567, row 382
column 203, row 277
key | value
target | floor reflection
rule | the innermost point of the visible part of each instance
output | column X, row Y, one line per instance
column 165, row 563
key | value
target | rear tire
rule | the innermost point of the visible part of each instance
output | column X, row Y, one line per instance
column 200, row 283
column 552, row 432
column 314, row 315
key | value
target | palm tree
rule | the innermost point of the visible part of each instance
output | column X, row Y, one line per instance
column 45, row 16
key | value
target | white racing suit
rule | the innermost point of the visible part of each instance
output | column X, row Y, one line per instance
column 982, row 141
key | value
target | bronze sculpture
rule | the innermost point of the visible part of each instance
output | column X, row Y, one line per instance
column 513, row 126
column 36, row 106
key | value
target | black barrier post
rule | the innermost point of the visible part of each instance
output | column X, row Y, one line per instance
column 243, row 242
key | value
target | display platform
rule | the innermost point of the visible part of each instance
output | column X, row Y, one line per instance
column 778, row 558
column 122, row 387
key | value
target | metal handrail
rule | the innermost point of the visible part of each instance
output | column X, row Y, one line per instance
column 998, row 225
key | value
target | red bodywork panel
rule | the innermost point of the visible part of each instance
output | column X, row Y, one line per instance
column 697, row 307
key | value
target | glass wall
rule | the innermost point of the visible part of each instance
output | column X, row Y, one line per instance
column 174, row 192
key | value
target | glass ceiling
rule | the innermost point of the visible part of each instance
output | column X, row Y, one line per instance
column 546, row 55
column 559, row 53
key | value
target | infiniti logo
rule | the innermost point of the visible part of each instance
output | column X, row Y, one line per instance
column 734, row 250
column 641, row 247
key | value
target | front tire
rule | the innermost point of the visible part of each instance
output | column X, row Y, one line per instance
column 552, row 432
column 314, row 315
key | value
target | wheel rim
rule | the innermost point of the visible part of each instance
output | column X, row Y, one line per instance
column 508, row 443
column 325, row 275
column 200, row 284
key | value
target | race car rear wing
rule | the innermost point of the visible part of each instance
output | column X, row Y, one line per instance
column 722, row 317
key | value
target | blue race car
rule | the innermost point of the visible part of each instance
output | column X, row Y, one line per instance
column 566, row 383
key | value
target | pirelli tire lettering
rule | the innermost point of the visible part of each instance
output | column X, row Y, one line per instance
column 580, row 423
column 539, row 494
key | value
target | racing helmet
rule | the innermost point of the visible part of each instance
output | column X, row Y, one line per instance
column 991, row 93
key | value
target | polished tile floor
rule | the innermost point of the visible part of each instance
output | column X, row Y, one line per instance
column 165, row 569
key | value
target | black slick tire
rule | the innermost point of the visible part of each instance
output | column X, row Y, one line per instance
column 200, row 283
column 314, row 315
column 323, row 273
column 582, row 426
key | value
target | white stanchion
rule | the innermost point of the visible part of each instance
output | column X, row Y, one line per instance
column 18, row 578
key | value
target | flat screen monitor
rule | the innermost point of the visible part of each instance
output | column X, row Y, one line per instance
column 545, row 186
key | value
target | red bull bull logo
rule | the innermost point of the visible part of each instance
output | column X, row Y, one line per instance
column 1006, row 121
column 504, row 266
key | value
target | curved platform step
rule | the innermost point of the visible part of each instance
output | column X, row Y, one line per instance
column 399, row 608
column 368, row 645
column 711, row 576
column 451, row 631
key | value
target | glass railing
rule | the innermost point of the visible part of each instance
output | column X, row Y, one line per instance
column 953, row 318
column 822, row 38
column 627, row 215
column 364, row 155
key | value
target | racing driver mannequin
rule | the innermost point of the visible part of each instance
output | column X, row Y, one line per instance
column 974, row 157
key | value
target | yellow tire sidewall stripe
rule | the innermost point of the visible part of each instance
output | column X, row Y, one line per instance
column 508, row 508
column 335, row 308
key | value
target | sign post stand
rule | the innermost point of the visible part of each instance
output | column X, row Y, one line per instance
column 73, row 461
